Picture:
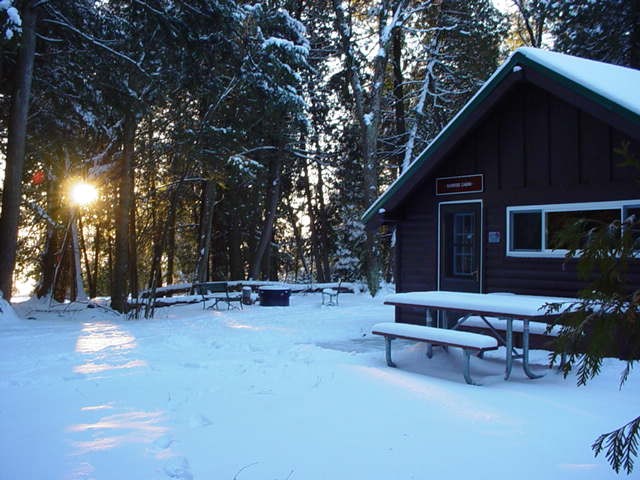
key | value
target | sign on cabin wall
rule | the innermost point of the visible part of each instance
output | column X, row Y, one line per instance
column 460, row 184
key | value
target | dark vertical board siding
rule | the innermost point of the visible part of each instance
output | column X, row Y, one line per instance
column 487, row 151
column 594, row 158
column 537, row 138
column 511, row 141
column 397, row 267
column 464, row 161
column 563, row 144
column 418, row 249
column 620, row 172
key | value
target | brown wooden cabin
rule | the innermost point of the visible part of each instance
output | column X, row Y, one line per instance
column 534, row 146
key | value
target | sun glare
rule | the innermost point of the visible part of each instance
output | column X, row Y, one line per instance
column 83, row 194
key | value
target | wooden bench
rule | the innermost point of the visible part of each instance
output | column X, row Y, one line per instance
column 218, row 292
column 475, row 343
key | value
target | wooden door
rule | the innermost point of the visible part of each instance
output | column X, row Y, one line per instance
column 460, row 249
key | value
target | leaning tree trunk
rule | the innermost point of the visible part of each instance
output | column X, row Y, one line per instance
column 273, row 197
column 16, row 142
column 120, row 278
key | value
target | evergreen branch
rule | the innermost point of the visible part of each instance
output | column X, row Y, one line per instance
column 620, row 445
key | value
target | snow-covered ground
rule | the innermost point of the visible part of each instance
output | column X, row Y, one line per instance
column 299, row 392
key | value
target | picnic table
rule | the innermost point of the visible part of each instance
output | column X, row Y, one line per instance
column 508, row 308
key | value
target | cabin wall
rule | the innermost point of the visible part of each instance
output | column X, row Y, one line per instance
column 533, row 148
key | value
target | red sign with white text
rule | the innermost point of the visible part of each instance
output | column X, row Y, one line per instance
column 461, row 184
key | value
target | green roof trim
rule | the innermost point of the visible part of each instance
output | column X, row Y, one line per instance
column 518, row 58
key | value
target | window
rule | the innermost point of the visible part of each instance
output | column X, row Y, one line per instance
column 526, row 231
column 532, row 231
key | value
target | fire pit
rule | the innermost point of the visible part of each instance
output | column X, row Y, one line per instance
column 274, row 296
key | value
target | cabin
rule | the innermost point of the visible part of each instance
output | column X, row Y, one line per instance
column 539, row 143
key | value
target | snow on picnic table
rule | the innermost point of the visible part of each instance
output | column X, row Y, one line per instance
column 504, row 303
column 299, row 392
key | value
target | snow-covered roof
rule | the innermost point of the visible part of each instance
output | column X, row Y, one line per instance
column 615, row 83
column 611, row 86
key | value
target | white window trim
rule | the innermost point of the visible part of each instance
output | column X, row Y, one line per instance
column 558, row 207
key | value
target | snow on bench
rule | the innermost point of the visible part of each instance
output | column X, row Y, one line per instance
column 469, row 342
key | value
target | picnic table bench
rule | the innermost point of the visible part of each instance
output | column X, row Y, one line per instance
column 469, row 342
column 218, row 292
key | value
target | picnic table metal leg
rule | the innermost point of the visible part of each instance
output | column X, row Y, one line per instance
column 467, row 367
column 429, row 321
column 509, row 347
column 387, row 347
column 525, row 351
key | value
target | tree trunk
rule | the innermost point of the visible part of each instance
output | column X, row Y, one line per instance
column 236, row 269
column 323, row 225
column 427, row 87
column 171, row 246
column 120, row 278
column 77, row 292
column 16, row 143
column 85, row 256
column 634, row 57
column 133, row 239
column 313, row 227
column 273, row 197
column 97, row 243
column 299, row 243
column 398, row 93
column 48, row 263
column 206, row 226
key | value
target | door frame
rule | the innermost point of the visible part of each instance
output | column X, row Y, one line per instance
column 481, row 238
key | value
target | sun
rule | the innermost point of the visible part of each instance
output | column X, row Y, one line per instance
column 83, row 194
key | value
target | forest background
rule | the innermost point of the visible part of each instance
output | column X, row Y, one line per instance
column 236, row 140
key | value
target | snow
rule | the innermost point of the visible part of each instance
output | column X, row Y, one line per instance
column 436, row 335
column 299, row 392
column 14, row 20
column 14, row 16
column 524, row 305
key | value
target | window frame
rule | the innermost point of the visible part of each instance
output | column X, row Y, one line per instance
column 545, row 252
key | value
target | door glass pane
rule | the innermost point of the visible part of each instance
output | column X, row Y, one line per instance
column 463, row 242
